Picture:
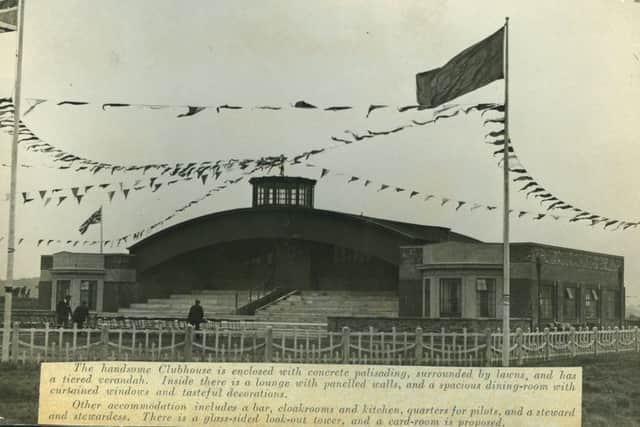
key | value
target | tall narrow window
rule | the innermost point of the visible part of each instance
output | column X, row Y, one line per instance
column 570, row 304
column 63, row 289
column 89, row 293
column 591, row 301
column 451, row 297
column 611, row 306
column 486, row 297
column 426, row 285
column 546, row 302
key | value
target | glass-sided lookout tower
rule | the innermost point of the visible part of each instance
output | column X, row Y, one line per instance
column 282, row 191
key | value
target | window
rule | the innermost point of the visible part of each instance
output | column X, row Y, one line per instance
column 294, row 196
column 570, row 304
column 63, row 289
column 282, row 196
column 486, row 297
column 89, row 293
column 546, row 302
column 451, row 297
column 611, row 306
column 260, row 196
column 426, row 297
column 591, row 304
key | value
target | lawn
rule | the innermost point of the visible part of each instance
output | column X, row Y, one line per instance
column 611, row 390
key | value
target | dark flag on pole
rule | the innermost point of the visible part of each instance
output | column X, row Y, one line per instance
column 471, row 69
column 95, row 218
column 8, row 15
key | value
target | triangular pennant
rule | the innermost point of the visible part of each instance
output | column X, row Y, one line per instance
column 324, row 173
column 227, row 107
column 383, row 187
column 399, row 190
column 413, row 193
column 353, row 178
column 114, row 104
column 338, row 108
column 47, row 200
column 367, row 182
column 26, row 198
column 74, row 190
column 111, row 194
column 460, row 204
column 72, row 103
column 87, row 188
column 522, row 213
column 40, row 242
column 303, row 104
column 34, row 104
column 444, row 201
column 61, row 199
column 203, row 178
column 374, row 107
column 79, row 197
column 125, row 191
column 191, row 111
column 429, row 197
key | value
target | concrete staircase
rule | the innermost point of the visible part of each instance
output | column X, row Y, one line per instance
column 214, row 302
column 316, row 306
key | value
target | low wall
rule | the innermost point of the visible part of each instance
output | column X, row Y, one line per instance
column 408, row 324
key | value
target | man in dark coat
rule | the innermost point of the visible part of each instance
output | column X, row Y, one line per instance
column 63, row 311
column 81, row 314
column 196, row 315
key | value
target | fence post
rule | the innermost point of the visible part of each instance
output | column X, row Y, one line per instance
column 188, row 343
column 572, row 341
column 547, row 344
column 595, row 340
column 488, row 351
column 346, row 344
column 268, row 344
column 418, row 345
column 520, row 346
column 616, row 334
column 13, row 348
column 104, row 338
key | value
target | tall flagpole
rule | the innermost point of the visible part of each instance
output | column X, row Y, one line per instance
column 8, row 294
column 506, row 341
column 101, row 221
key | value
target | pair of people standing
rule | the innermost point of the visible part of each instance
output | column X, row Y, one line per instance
column 63, row 313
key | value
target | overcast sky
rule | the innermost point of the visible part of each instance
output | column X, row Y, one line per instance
column 574, row 90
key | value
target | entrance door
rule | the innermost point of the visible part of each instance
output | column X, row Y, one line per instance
column 63, row 289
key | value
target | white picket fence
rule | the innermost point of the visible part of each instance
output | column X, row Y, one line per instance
column 313, row 346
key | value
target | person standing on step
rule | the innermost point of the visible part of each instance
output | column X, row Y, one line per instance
column 63, row 312
column 196, row 315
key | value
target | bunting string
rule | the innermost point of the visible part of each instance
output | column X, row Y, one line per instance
column 70, row 160
column 153, row 184
column 531, row 187
column 130, row 238
column 193, row 109
column 451, row 202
